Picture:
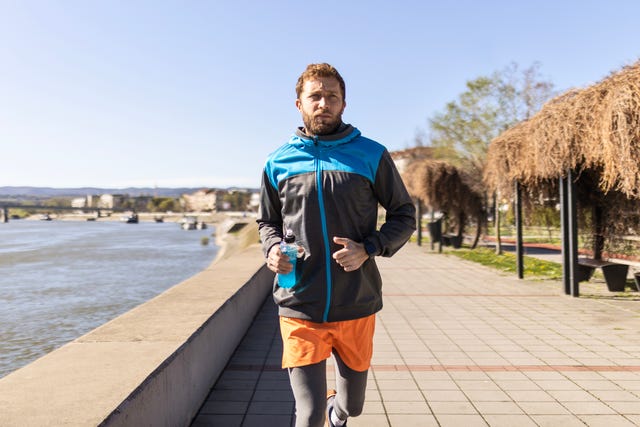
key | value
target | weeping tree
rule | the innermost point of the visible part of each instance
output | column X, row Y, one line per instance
column 594, row 132
column 444, row 188
column 462, row 132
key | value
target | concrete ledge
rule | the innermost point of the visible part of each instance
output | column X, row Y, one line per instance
column 154, row 365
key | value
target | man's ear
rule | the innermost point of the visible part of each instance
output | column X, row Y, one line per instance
column 299, row 105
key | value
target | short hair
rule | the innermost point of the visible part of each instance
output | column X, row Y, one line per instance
column 320, row 70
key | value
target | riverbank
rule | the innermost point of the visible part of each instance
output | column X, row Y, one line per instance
column 61, row 279
column 155, row 364
column 207, row 217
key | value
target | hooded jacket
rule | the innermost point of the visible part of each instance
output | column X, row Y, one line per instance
column 326, row 186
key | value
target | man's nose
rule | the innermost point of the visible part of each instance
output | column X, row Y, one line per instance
column 323, row 103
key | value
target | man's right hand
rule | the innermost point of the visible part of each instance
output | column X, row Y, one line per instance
column 278, row 262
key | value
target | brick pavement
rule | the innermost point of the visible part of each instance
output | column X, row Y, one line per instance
column 459, row 344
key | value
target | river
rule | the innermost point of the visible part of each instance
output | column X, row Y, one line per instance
column 61, row 279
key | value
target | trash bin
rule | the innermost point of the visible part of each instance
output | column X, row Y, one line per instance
column 435, row 231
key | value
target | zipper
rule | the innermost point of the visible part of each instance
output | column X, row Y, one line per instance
column 325, row 232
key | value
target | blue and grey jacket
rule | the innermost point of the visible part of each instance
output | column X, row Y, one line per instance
column 327, row 186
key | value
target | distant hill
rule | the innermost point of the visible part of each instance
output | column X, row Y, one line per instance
column 44, row 192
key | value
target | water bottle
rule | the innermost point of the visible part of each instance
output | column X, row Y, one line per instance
column 289, row 247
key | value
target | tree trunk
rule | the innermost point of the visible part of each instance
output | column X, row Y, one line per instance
column 497, row 223
column 598, row 232
column 478, row 232
column 419, row 220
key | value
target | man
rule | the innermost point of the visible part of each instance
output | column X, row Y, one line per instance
column 325, row 184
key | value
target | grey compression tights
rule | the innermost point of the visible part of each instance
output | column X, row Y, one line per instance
column 309, row 385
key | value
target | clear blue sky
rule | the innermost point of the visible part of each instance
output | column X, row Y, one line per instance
column 198, row 93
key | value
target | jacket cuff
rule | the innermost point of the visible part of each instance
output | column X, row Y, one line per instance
column 371, row 248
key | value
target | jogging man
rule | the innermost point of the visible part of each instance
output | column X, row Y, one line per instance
column 325, row 184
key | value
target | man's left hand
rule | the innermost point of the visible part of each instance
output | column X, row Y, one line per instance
column 351, row 256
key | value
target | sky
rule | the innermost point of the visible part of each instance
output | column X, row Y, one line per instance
column 197, row 93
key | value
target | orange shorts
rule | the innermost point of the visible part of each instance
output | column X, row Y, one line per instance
column 306, row 343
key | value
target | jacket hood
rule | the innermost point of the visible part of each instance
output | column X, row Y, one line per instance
column 343, row 135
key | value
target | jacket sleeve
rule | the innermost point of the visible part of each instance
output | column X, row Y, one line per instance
column 400, row 220
column 269, row 215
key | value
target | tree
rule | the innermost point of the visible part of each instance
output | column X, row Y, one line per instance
column 490, row 105
column 163, row 204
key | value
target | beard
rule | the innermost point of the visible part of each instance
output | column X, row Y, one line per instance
column 319, row 125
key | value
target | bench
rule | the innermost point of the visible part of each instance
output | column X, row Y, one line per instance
column 452, row 240
column 614, row 274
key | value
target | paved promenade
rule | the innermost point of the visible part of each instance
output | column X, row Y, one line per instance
column 458, row 344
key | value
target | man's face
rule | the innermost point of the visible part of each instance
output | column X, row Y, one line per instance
column 321, row 104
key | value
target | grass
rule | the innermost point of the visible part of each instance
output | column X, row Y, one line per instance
column 506, row 262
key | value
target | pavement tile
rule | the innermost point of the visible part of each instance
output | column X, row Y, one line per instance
column 557, row 420
column 368, row 420
column 273, row 385
column 477, row 385
column 398, row 420
column 615, row 395
column 267, row 420
column 230, row 395
column 384, row 385
column 635, row 419
column 445, row 384
column 517, row 385
column 530, row 396
column 487, row 396
column 592, row 385
column 273, row 396
column 373, row 407
column 572, row 396
column 461, row 420
column 543, row 408
column 607, row 421
column 566, row 385
column 407, row 408
column 226, row 408
column 497, row 420
column 625, row 408
column 469, row 346
column 468, row 375
column 271, row 408
column 401, row 396
column 453, row 408
column 204, row 420
column 497, row 408
column 445, row 396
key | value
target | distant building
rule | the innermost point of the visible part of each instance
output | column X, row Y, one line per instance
column 84, row 202
column 254, row 202
column 111, row 201
column 205, row 200
column 79, row 202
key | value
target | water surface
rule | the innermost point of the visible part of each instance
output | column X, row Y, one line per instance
column 61, row 279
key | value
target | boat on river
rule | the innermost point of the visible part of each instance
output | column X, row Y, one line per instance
column 130, row 219
column 189, row 222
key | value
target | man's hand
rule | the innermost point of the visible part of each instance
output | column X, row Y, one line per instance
column 351, row 256
column 278, row 262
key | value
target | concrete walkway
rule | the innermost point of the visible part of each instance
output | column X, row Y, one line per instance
column 458, row 344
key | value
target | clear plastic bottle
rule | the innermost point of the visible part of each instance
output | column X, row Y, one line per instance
column 289, row 247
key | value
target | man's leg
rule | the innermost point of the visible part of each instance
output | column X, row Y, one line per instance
column 309, row 385
column 350, row 387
